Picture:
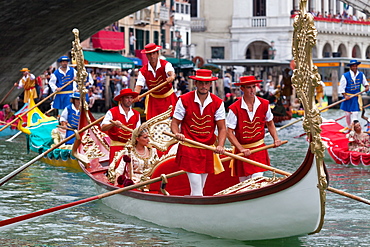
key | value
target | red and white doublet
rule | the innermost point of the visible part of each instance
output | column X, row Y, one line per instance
column 119, row 136
column 198, row 126
column 250, row 133
column 159, row 100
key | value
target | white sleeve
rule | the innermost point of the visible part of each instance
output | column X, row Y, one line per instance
column 138, row 123
column 52, row 82
column 231, row 120
column 140, row 80
column 220, row 113
column 269, row 115
column 342, row 85
column 20, row 83
column 169, row 68
column 64, row 115
column 364, row 81
column 107, row 118
column 179, row 112
column 32, row 76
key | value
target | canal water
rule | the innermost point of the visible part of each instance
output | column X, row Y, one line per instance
column 93, row 224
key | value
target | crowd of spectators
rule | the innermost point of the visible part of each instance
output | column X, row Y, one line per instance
column 334, row 17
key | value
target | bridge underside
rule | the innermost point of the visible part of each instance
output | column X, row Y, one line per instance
column 35, row 33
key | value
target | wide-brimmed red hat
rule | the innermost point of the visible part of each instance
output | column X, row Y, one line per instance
column 247, row 80
column 151, row 47
column 126, row 92
column 204, row 75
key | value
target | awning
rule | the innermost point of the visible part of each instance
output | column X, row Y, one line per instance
column 111, row 59
column 180, row 63
column 108, row 40
column 137, row 61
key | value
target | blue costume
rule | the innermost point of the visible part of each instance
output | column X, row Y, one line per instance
column 352, row 87
column 61, row 99
column 73, row 118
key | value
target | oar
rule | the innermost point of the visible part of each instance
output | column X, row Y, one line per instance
column 323, row 109
column 14, row 136
column 254, row 151
column 42, row 101
column 152, row 90
column 50, row 110
column 252, row 162
column 6, row 96
column 19, row 219
column 15, row 172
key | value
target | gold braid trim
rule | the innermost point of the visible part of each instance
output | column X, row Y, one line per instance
column 200, row 127
column 201, row 118
column 248, row 137
column 198, row 132
column 252, row 126
column 245, row 121
column 200, row 123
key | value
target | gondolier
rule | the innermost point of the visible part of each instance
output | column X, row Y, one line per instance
column 199, row 112
column 350, row 83
column 71, row 116
column 118, row 116
column 246, row 128
column 60, row 77
column 152, row 74
column 28, row 82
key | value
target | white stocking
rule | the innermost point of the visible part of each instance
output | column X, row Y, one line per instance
column 348, row 118
column 197, row 182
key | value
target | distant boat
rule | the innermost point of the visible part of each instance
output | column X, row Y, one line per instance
column 337, row 145
column 38, row 131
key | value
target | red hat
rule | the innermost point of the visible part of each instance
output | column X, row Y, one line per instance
column 204, row 75
column 151, row 47
column 6, row 106
column 126, row 92
column 247, row 80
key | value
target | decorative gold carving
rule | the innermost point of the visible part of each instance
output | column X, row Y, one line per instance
column 250, row 184
column 305, row 79
column 90, row 148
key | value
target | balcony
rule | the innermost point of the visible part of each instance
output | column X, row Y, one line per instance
column 142, row 17
column 259, row 21
column 198, row 25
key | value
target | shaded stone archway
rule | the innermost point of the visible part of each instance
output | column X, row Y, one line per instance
column 35, row 33
column 342, row 50
column 327, row 50
column 356, row 52
column 257, row 50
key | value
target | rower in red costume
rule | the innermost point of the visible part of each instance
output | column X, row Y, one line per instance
column 198, row 113
column 246, row 129
column 152, row 74
column 118, row 116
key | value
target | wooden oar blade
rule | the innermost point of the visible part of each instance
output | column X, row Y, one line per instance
column 12, row 222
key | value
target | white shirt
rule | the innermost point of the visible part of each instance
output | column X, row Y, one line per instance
column 232, row 120
column 179, row 112
column 53, row 79
column 64, row 115
column 20, row 84
column 108, row 116
column 343, row 81
column 141, row 79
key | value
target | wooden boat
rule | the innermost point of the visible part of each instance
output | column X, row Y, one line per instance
column 289, row 207
column 38, row 129
column 337, row 145
column 260, row 208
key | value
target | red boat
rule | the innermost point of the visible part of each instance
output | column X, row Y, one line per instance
column 337, row 145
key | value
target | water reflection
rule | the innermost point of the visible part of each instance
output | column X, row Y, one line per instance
column 41, row 186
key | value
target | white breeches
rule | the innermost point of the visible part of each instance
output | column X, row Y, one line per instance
column 351, row 116
column 197, row 182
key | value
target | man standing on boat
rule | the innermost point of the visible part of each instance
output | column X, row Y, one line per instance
column 152, row 74
column 60, row 77
column 246, row 129
column 118, row 117
column 71, row 116
column 350, row 83
column 28, row 82
column 199, row 112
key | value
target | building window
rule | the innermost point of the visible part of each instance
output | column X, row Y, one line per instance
column 156, row 37
column 139, row 39
column 187, row 9
column 218, row 52
column 259, row 7
column 163, row 38
column 177, row 8
column 182, row 9
column 147, row 37
column 193, row 8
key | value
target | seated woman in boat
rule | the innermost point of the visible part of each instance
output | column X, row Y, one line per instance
column 129, row 164
column 358, row 140
column 6, row 115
